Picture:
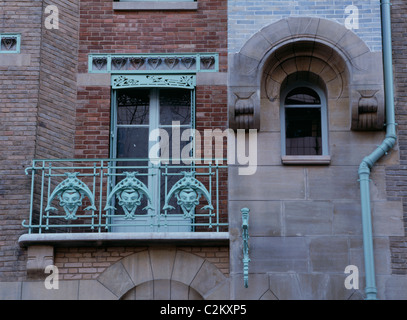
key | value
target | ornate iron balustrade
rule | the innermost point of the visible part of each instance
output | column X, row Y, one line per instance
column 127, row 195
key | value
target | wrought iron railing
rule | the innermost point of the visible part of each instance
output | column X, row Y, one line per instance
column 127, row 195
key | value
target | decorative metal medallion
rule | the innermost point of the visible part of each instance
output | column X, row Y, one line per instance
column 188, row 191
column 129, row 192
column 9, row 42
column 119, row 62
column 100, row 62
column 70, row 193
column 137, row 62
column 188, row 61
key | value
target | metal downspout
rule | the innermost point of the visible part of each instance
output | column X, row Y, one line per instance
column 369, row 161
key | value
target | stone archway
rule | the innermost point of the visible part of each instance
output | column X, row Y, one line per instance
column 291, row 42
column 179, row 274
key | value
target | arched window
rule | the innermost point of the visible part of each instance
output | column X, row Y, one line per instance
column 304, row 127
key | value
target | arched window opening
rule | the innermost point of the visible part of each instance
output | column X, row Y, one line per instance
column 304, row 121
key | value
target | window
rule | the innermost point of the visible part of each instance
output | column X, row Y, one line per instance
column 136, row 114
column 304, row 124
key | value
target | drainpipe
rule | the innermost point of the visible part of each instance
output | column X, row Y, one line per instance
column 369, row 161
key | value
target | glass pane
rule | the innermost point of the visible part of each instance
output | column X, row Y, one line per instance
column 303, row 131
column 133, row 106
column 175, row 105
column 302, row 96
column 132, row 142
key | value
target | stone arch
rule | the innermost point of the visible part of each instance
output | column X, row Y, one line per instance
column 190, row 275
column 294, row 44
column 162, row 290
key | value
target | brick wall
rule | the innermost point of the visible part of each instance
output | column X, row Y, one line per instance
column 88, row 263
column 104, row 30
column 19, row 85
column 396, row 175
column 37, row 108
column 57, row 94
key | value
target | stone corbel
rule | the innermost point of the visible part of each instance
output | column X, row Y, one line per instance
column 244, row 108
column 368, row 108
column 38, row 258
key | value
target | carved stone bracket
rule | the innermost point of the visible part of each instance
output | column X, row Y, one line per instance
column 367, row 109
column 38, row 258
column 244, row 108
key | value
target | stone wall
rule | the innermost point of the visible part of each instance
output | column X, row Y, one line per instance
column 245, row 18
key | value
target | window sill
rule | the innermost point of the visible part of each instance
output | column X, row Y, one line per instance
column 154, row 5
column 124, row 239
column 306, row 160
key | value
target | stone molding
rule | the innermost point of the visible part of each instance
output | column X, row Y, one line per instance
column 342, row 49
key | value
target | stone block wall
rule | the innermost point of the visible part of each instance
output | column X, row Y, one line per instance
column 245, row 18
column 305, row 220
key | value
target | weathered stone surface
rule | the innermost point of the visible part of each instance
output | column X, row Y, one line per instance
column 328, row 254
column 138, row 267
column 186, row 267
column 207, row 279
column 162, row 262
column 94, row 290
column 35, row 290
column 116, row 279
column 272, row 183
column 308, row 218
column 264, row 217
column 277, row 254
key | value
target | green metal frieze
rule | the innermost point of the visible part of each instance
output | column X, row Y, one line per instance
column 149, row 81
column 153, row 63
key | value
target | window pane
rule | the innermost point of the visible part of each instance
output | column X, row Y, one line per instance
column 302, row 96
column 132, row 143
column 175, row 105
column 303, row 131
column 133, row 107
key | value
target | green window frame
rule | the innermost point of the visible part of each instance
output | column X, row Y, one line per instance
column 150, row 91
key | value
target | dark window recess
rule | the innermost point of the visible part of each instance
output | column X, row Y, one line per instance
column 303, row 131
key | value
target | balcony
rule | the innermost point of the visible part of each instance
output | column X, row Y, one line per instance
column 126, row 201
